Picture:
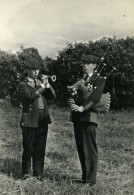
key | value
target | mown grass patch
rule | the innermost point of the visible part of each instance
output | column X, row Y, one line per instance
column 115, row 138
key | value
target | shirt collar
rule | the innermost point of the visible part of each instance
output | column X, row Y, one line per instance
column 90, row 75
column 30, row 79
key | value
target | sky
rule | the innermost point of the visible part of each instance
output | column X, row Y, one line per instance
column 49, row 24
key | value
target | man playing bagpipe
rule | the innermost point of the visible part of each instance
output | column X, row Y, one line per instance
column 85, row 104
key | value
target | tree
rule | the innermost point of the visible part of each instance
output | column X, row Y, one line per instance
column 12, row 72
column 67, row 67
column 117, row 53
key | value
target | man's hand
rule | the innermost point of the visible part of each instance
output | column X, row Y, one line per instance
column 77, row 108
column 44, row 80
column 71, row 101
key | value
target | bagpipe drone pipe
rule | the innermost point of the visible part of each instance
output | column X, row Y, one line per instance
column 88, row 90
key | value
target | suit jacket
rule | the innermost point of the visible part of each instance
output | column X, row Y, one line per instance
column 90, row 114
column 28, row 94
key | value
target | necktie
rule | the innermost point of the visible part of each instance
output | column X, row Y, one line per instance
column 35, row 84
column 86, row 77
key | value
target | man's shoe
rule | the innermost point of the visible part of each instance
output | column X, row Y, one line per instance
column 26, row 176
column 77, row 181
column 89, row 184
column 38, row 178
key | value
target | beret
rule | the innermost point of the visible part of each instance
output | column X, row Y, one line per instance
column 33, row 64
column 89, row 58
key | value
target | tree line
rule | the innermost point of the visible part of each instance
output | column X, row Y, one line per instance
column 118, row 53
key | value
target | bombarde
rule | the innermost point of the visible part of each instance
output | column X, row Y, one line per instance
column 42, row 77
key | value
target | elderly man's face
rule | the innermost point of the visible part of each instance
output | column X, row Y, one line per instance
column 88, row 68
column 32, row 73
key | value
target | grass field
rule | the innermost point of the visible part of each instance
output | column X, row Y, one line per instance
column 115, row 138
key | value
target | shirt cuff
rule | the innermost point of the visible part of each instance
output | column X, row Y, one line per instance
column 88, row 105
column 83, row 108
column 47, row 85
column 42, row 85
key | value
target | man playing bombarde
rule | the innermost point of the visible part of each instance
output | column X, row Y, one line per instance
column 35, row 119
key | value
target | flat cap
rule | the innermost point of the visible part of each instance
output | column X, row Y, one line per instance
column 89, row 58
column 33, row 64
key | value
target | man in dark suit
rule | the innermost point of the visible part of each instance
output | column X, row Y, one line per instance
column 35, row 119
column 85, row 119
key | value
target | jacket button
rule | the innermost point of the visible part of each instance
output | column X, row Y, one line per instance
column 30, row 109
column 22, row 124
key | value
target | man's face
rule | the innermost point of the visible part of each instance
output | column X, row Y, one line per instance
column 32, row 73
column 88, row 68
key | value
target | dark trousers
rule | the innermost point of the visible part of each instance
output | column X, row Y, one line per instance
column 85, row 137
column 34, row 146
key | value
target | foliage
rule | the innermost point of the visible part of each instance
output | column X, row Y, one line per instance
column 28, row 53
column 117, row 53
column 12, row 72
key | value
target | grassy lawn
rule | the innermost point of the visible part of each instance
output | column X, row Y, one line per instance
column 115, row 138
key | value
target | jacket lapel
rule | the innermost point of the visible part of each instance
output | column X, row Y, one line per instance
column 38, row 82
column 30, row 83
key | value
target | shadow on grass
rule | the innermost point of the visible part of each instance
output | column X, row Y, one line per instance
column 11, row 167
column 57, row 175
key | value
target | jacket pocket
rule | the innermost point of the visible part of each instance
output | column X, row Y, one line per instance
column 93, row 117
